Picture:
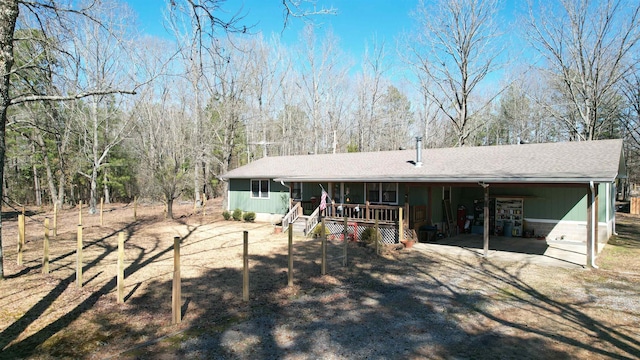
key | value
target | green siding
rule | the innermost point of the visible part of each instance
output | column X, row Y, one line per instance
column 240, row 198
column 551, row 203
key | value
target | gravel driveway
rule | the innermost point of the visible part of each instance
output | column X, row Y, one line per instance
column 411, row 305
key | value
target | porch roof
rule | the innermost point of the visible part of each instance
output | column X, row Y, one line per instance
column 563, row 162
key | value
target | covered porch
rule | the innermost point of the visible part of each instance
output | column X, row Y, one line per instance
column 392, row 221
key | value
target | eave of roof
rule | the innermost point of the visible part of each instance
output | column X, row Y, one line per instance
column 569, row 162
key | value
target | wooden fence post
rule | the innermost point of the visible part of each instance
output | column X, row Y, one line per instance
column 45, row 258
column 120, row 267
column 400, row 225
column 135, row 208
column 20, row 237
column 323, row 237
column 79, row 259
column 377, row 236
column 290, row 275
column 176, row 300
column 101, row 211
column 345, row 236
column 245, row 266
column 80, row 213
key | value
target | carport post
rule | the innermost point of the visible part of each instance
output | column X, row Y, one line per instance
column 592, row 224
column 486, row 219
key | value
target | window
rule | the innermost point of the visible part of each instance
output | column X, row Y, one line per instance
column 382, row 193
column 390, row 193
column 296, row 191
column 373, row 192
column 260, row 189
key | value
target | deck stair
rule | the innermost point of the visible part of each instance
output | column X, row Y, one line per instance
column 299, row 225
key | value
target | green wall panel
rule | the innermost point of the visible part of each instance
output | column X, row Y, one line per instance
column 551, row 203
column 240, row 197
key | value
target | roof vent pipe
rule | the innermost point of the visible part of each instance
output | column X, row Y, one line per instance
column 418, row 151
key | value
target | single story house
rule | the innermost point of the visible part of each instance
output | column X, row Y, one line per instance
column 562, row 191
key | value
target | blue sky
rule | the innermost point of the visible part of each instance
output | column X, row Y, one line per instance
column 356, row 21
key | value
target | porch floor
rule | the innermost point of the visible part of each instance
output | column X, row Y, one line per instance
column 568, row 254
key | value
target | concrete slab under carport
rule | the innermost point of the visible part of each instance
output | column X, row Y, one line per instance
column 566, row 254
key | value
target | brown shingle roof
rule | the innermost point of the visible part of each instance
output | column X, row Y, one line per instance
column 564, row 162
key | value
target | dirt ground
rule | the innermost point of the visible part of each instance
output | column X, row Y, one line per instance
column 413, row 305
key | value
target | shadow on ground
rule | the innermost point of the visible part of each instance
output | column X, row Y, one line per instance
column 397, row 306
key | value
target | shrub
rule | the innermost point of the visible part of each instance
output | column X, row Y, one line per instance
column 370, row 236
column 237, row 215
column 249, row 216
column 226, row 215
column 317, row 231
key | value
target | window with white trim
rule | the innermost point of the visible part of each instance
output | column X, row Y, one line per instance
column 296, row 190
column 260, row 189
column 382, row 193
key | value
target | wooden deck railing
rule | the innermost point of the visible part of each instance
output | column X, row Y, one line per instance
column 360, row 213
column 291, row 216
column 312, row 221
column 365, row 212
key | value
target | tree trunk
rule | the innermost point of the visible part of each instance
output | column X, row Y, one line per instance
column 36, row 185
column 8, row 16
column 169, row 199
column 105, row 187
column 47, row 166
column 94, row 191
column 94, row 168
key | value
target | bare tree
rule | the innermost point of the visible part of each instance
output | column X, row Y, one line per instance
column 455, row 49
column 162, row 144
column 322, row 75
column 589, row 47
column 45, row 12
column 370, row 91
column 104, row 61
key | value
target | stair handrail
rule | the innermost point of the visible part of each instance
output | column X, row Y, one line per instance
column 312, row 221
column 291, row 217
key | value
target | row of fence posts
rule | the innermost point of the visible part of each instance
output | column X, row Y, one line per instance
column 79, row 257
column 176, row 299
column 21, row 227
column 176, row 284
column 47, row 229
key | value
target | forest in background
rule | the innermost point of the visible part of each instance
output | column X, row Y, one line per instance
column 99, row 110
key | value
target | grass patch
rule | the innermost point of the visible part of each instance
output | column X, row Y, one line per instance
column 623, row 250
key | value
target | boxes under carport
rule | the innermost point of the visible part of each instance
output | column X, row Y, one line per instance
column 427, row 233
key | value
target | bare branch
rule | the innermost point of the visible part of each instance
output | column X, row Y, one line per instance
column 32, row 98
